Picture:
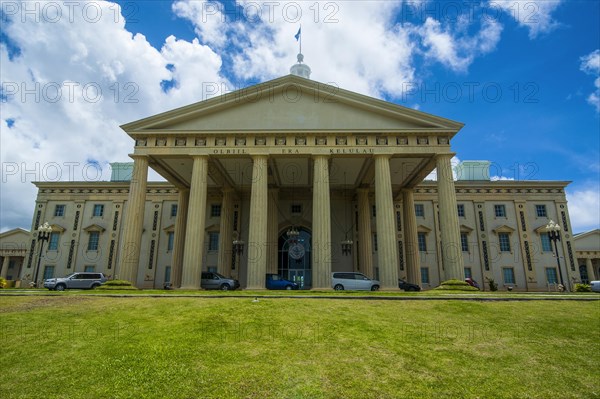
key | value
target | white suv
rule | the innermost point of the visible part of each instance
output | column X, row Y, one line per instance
column 81, row 280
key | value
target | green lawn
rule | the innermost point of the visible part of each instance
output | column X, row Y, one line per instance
column 72, row 346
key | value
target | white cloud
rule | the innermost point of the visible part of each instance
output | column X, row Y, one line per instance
column 356, row 45
column 584, row 208
column 590, row 64
column 457, row 50
column 453, row 162
column 534, row 15
column 73, row 83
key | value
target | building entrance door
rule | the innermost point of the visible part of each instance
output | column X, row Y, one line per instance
column 294, row 261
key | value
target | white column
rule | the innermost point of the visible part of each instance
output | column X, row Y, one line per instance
column 411, row 246
column 179, row 239
column 365, row 243
column 226, row 233
column 5, row 264
column 272, row 231
column 387, row 249
column 129, row 255
column 196, row 224
column 321, row 221
column 590, row 269
column 257, row 238
column 449, row 227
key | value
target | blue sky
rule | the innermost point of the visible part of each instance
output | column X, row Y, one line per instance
column 522, row 76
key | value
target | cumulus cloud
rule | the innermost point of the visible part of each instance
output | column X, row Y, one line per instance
column 456, row 50
column 72, row 82
column 590, row 64
column 261, row 45
column 584, row 208
column 534, row 15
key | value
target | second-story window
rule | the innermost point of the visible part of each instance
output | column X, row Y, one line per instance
column 98, row 210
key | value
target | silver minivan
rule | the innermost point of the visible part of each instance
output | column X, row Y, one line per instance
column 353, row 281
column 595, row 286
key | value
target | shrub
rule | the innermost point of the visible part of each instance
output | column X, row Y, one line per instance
column 105, row 287
column 2, row 282
column 583, row 288
column 119, row 283
column 493, row 285
column 455, row 285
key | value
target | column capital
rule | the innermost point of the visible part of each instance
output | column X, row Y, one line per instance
column 382, row 156
column 448, row 156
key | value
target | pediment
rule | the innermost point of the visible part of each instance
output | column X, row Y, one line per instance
column 15, row 239
column 503, row 229
column 94, row 227
column 57, row 228
column 292, row 104
column 169, row 229
column 423, row 229
column 465, row 229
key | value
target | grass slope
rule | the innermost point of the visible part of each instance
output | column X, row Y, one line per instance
column 92, row 347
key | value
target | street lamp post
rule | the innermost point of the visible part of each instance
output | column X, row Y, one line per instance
column 44, row 232
column 554, row 235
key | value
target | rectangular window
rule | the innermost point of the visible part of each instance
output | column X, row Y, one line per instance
column 213, row 241
column 48, row 272
column 461, row 210
column 59, row 210
column 540, row 211
column 296, row 209
column 53, row 241
column 374, row 242
column 171, row 240
column 168, row 274
column 93, row 241
column 551, row 275
column 173, row 210
column 508, row 273
column 504, row 240
column 419, row 210
column 89, row 269
column 421, row 237
column 546, row 245
column 424, row 275
column 468, row 272
column 374, row 211
column 98, row 210
column 500, row 211
column 215, row 210
column 464, row 242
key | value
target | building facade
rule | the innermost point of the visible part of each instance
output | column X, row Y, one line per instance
column 300, row 178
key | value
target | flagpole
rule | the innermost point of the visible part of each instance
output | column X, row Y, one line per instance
column 300, row 38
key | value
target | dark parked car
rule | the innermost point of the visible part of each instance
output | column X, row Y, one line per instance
column 216, row 281
column 406, row 286
column 472, row 282
column 276, row 282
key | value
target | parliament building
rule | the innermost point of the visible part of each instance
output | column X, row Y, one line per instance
column 300, row 178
